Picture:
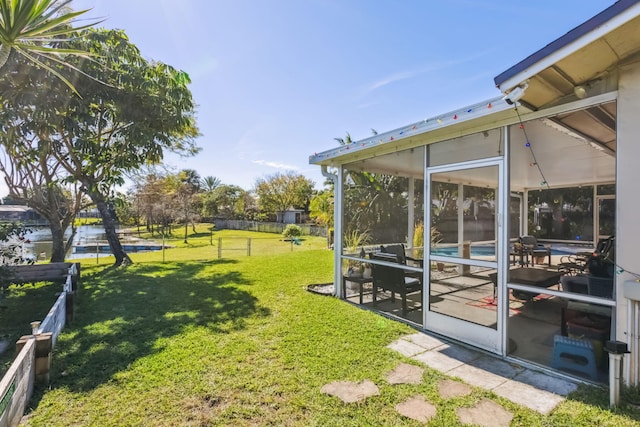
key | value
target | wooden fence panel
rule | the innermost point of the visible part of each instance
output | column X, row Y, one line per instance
column 56, row 318
column 16, row 386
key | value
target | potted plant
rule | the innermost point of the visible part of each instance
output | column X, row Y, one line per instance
column 435, row 238
column 366, row 271
column 354, row 240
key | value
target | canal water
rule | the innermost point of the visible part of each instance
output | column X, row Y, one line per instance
column 40, row 242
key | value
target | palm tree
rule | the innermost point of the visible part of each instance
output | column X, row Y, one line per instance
column 210, row 183
column 346, row 140
column 30, row 26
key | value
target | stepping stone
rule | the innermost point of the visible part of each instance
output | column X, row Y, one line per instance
column 350, row 392
column 417, row 409
column 486, row 413
column 405, row 374
column 449, row 388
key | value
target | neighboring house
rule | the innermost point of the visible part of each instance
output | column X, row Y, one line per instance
column 290, row 216
column 568, row 119
column 18, row 213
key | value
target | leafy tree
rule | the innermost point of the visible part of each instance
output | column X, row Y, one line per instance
column 185, row 186
column 141, row 110
column 12, row 237
column 152, row 199
column 281, row 191
column 29, row 27
column 34, row 179
column 125, row 208
column 226, row 201
column 321, row 209
column 376, row 203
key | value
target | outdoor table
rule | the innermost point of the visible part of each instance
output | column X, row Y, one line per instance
column 359, row 280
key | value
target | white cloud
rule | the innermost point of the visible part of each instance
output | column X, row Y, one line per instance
column 404, row 75
column 276, row 165
column 395, row 78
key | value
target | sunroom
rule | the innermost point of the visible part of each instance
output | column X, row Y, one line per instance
column 441, row 208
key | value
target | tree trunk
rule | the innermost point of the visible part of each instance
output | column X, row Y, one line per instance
column 57, row 245
column 186, row 230
column 69, row 241
column 112, row 237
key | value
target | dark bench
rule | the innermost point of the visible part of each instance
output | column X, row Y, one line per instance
column 52, row 272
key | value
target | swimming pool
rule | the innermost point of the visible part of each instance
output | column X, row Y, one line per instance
column 488, row 250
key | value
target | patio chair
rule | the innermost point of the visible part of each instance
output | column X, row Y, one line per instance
column 588, row 284
column 399, row 251
column 579, row 262
column 392, row 279
column 534, row 249
column 573, row 264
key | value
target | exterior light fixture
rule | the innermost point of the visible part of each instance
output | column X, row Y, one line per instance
column 515, row 94
column 580, row 92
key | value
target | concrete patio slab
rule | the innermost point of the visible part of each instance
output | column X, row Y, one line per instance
column 447, row 357
column 477, row 377
column 535, row 390
column 406, row 348
column 438, row 361
column 497, row 366
column 545, row 382
column 425, row 341
column 524, row 394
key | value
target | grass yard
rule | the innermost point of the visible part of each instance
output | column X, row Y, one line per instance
column 240, row 342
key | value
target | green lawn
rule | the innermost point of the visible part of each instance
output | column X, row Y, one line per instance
column 240, row 342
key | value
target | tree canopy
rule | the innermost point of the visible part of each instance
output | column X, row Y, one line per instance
column 130, row 113
column 281, row 191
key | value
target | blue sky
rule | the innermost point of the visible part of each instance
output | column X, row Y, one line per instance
column 277, row 80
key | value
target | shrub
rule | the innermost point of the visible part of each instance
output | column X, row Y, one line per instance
column 292, row 230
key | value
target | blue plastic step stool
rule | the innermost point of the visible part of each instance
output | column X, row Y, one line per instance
column 574, row 354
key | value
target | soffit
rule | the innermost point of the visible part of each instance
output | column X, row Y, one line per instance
column 564, row 158
column 587, row 57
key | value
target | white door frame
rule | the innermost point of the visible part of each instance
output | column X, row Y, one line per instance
column 477, row 335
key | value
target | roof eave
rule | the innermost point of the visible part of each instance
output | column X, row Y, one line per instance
column 397, row 136
column 601, row 24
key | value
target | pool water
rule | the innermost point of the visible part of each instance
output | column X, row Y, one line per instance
column 488, row 250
